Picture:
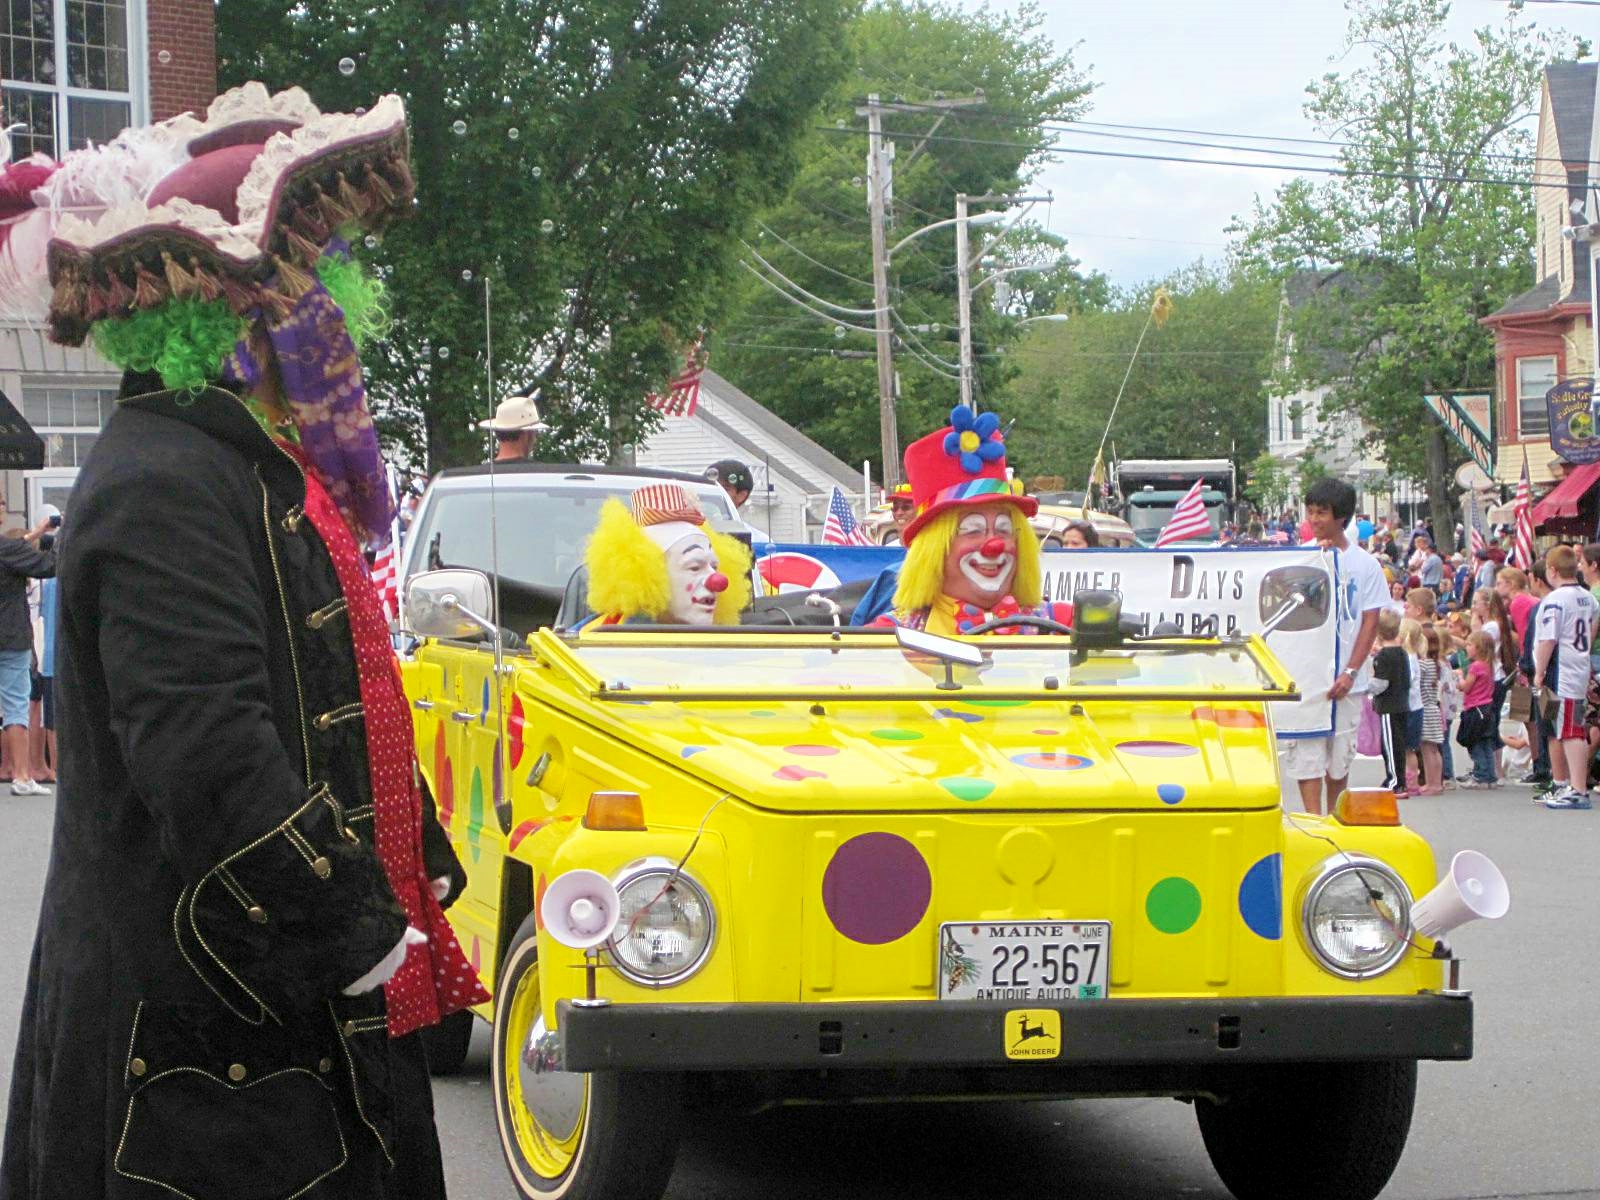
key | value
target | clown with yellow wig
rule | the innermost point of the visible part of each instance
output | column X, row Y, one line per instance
column 655, row 561
column 971, row 556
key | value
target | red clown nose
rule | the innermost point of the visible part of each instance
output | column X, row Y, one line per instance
column 717, row 583
column 993, row 548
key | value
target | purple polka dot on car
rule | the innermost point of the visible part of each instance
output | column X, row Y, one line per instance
column 876, row 888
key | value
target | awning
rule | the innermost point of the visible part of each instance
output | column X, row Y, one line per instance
column 1562, row 501
column 21, row 449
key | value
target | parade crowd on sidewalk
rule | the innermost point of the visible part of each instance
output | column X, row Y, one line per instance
column 1443, row 654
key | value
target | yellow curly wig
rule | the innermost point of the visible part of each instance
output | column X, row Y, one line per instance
column 922, row 572
column 628, row 572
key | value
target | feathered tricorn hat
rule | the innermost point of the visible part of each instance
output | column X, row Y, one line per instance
column 269, row 183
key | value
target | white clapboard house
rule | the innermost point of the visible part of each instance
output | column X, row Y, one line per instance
column 793, row 475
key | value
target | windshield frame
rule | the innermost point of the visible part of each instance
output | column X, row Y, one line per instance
column 563, row 650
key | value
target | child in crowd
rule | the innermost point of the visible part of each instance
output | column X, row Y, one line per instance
column 1516, row 752
column 1478, row 716
column 1431, row 670
column 1391, row 698
column 1411, row 643
column 1566, row 620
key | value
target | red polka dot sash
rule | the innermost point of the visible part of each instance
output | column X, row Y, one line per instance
column 436, row 979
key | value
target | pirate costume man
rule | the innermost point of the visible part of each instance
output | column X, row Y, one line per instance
column 242, row 929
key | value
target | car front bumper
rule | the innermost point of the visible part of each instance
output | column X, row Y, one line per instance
column 1136, row 1033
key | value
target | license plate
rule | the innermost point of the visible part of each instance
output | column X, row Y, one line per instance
column 1024, row 960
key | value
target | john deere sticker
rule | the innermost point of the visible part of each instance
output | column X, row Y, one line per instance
column 1032, row 1033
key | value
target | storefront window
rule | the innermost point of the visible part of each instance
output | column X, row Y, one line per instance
column 68, row 414
column 68, row 71
column 1535, row 377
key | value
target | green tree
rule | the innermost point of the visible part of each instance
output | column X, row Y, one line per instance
column 1434, row 219
column 591, row 163
column 1196, row 388
column 815, row 368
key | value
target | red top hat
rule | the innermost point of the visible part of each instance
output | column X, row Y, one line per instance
column 962, row 464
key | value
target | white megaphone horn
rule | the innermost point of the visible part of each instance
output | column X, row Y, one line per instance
column 580, row 909
column 1472, row 888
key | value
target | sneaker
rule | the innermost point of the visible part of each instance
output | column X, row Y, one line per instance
column 1535, row 779
column 1545, row 790
column 1569, row 798
column 27, row 787
column 1471, row 784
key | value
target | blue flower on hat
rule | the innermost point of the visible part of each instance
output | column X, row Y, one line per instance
column 973, row 439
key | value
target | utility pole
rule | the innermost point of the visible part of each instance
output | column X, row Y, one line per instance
column 964, row 299
column 878, row 175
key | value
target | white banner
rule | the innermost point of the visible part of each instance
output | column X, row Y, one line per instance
column 1241, row 589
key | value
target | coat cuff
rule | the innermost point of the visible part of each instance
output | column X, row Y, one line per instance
column 289, row 919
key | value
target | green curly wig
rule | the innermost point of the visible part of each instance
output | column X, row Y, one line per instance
column 185, row 341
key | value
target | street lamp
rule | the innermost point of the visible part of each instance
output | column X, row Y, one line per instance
column 984, row 218
column 1050, row 318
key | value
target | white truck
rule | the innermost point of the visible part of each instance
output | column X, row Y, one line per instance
column 1148, row 489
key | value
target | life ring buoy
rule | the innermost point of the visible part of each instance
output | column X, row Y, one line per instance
column 790, row 571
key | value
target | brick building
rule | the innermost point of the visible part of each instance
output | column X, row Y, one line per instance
column 74, row 72
column 1543, row 335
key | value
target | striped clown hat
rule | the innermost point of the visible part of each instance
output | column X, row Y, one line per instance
column 959, row 465
column 666, row 512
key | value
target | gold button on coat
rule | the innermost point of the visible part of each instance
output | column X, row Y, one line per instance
column 136, row 1066
column 325, row 1065
column 322, row 867
column 349, row 1028
column 236, row 1072
column 257, row 914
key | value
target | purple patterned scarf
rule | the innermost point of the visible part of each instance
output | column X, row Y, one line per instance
column 323, row 387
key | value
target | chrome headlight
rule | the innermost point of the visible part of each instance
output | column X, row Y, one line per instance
column 665, row 925
column 1356, row 916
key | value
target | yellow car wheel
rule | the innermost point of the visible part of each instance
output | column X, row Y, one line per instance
column 1315, row 1131
column 568, row 1136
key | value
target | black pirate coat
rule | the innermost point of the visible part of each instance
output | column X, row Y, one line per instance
column 212, row 884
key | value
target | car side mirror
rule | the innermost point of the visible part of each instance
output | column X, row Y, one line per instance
column 454, row 603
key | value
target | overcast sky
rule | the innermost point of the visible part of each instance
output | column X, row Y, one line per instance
column 1236, row 66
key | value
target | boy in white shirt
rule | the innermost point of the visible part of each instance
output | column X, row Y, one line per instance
column 1567, row 619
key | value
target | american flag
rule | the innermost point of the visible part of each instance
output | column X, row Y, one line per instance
column 385, row 570
column 1522, row 510
column 1189, row 519
column 841, row 527
column 683, row 389
column 1478, row 538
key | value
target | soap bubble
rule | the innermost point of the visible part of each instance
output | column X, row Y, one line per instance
column 361, row 112
column 547, row 226
column 347, row 66
column 538, row 172
column 370, row 242
column 459, row 127
column 857, row 181
column 839, row 124
column 466, row 276
column 164, row 57
column 444, row 351
column 513, row 133
column 839, row 331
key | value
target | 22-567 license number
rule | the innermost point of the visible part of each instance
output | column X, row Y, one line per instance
column 1024, row 960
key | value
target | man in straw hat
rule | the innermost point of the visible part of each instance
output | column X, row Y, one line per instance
column 241, row 931
column 516, row 427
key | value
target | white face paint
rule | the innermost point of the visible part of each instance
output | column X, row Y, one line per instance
column 989, row 575
column 693, row 576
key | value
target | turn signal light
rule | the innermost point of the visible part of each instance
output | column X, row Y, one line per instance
column 619, row 811
column 1367, row 806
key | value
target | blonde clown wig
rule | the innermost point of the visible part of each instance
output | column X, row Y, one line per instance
column 628, row 571
column 922, row 572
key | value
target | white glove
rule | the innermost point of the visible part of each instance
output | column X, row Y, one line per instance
column 440, row 887
column 391, row 962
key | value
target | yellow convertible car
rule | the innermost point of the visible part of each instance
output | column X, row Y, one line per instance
column 770, row 864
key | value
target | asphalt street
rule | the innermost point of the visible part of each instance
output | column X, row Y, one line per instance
column 1522, row 1119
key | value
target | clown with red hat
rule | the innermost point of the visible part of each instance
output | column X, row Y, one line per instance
column 971, row 556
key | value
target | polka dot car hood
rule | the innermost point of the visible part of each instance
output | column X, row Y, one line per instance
column 964, row 755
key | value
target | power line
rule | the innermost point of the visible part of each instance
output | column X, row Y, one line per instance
column 1213, row 162
column 1134, row 132
column 829, row 304
column 798, row 303
column 866, row 283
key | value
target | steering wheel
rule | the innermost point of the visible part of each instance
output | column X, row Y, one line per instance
column 1034, row 622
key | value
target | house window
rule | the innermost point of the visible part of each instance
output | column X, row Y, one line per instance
column 1277, row 412
column 68, row 414
column 1297, row 422
column 68, row 71
column 1535, row 377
